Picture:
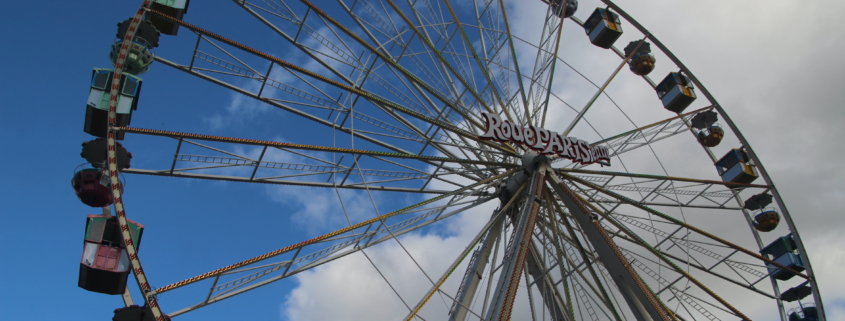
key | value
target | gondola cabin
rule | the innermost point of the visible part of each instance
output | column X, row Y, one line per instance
column 676, row 92
column 603, row 27
column 135, row 313
column 139, row 57
column 97, row 109
column 174, row 8
column 105, row 267
column 735, row 167
column 94, row 151
column 642, row 60
column 146, row 32
column 564, row 8
column 757, row 201
column 784, row 252
column 92, row 187
column 709, row 133
column 766, row 221
column 796, row 293
column 711, row 136
column 804, row 313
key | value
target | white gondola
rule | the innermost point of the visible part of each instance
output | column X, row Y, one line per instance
column 97, row 109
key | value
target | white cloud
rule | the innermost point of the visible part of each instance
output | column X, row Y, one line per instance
column 827, row 257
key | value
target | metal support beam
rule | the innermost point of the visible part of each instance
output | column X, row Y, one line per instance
column 551, row 296
column 641, row 300
column 472, row 278
column 517, row 251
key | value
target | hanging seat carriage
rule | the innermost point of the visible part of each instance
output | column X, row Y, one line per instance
column 97, row 108
column 676, row 92
column 105, row 267
column 603, row 27
column 736, row 167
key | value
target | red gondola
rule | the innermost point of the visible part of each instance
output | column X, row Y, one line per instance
column 92, row 187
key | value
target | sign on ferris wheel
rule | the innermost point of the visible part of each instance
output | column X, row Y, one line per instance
column 543, row 141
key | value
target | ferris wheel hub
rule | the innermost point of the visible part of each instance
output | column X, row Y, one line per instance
column 531, row 162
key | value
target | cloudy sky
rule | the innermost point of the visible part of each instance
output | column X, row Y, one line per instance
column 772, row 65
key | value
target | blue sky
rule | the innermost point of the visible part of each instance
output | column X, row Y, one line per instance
column 775, row 79
column 55, row 47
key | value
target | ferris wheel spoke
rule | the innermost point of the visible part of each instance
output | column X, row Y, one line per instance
column 599, row 92
column 382, row 83
column 681, row 295
column 677, row 191
column 347, row 130
column 393, row 62
column 484, row 69
column 414, row 101
column 678, row 222
column 368, row 74
column 512, row 51
column 743, row 282
column 566, row 256
column 551, row 93
column 424, row 36
column 246, row 275
column 375, row 99
column 551, row 297
column 390, row 131
column 573, row 239
column 491, row 228
column 639, row 241
column 540, row 84
column 379, row 23
column 687, row 246
column 255, row 142
column 491, row 26
column 645, row 135
column 640, row 298
column 311, row 164
column 701, row 250
column 456, row 54
column 575, row 273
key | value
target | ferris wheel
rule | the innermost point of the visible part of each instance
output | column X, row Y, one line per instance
column 604, row 180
